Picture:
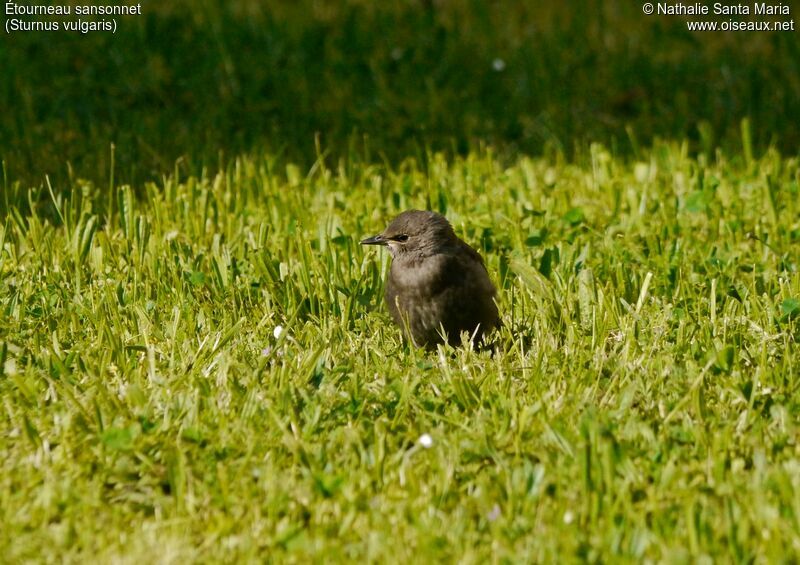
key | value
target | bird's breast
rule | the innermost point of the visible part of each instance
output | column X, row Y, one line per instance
column 414, row 284
column 452, row 290
column 417, row 274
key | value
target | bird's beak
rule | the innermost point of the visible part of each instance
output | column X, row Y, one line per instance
column 375, row 240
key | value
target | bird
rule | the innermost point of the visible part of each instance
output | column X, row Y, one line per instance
column 438, row 286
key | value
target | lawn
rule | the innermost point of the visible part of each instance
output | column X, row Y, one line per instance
column 208, row 372
column 196, row 364
column 199, row 81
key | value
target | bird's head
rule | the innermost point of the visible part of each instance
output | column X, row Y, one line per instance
column 414, row 232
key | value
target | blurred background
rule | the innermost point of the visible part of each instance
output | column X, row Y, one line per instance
column 191, row 83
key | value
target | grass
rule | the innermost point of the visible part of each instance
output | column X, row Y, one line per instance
column 192, row 79
column 642, row 404
column 195, row 360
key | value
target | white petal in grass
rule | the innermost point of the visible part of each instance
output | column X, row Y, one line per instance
column 494, row 514
column 569, row 517
column 170, row 235
column 277, row 331
column 498, row 65
column 425, row 440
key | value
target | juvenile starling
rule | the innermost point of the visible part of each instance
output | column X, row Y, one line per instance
column 438, row 285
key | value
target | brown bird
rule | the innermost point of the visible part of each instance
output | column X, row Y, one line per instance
column 438, row 286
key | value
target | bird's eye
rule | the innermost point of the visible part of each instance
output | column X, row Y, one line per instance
column 401, row 237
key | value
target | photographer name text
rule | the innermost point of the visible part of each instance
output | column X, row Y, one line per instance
column 720, row 9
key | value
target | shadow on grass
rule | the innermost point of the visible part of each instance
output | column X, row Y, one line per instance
column 208, row 79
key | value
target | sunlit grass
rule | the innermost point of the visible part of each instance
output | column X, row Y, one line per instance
column 642, row 402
